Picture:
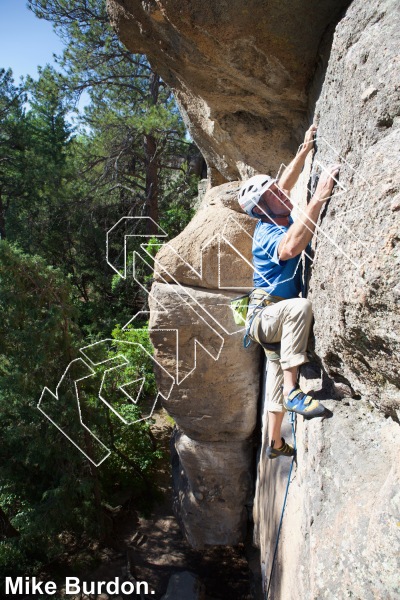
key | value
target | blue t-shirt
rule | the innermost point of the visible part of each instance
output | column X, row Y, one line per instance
column 278, row 277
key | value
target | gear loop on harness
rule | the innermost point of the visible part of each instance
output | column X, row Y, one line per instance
column 260, row 299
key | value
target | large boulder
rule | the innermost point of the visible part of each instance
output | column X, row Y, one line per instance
column 214, row 250
column 196, row 341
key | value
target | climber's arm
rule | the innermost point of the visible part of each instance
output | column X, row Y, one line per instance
column 291, row 173
column 300, row 233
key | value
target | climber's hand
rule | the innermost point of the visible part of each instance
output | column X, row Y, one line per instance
column 326, row 182
column 308, row 143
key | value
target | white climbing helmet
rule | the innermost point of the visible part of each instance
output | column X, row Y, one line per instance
column 252, row 190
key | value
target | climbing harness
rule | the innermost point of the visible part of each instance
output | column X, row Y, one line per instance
column 293, row 423
column 260, row 299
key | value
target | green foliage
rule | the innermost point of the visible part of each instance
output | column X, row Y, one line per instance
column 62, row 187
column 37, row 332
column 12, row 144
column 135, row 451
column 177, row 207
column 38, row 336
column 46, row 486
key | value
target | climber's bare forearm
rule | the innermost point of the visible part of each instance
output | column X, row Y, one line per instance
column 301, row 232
column 291, row 173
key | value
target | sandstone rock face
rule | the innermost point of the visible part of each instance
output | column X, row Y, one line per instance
column 357, row 262
column 214, row 251
column 240, row 73
column 239, row 70
column 197, row 341
column 340, row 533
column 195, row 338
column 214, row 480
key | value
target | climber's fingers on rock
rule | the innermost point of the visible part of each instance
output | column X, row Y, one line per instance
column 326, row 182
column 333, row 171
column 309, row 137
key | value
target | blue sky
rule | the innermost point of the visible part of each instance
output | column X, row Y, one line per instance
column 25, row 40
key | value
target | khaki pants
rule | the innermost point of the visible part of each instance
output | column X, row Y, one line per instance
column 287, row 322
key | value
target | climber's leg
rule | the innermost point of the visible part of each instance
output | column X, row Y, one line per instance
column 296, row 319
column 274, row 427
column 289, row 321
column 289, row 379
column 276, row 411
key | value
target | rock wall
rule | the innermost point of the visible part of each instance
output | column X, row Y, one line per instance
column 340, row 532
column 239, row 71
column 247, row 76
column 196, row 340
column 355, row 282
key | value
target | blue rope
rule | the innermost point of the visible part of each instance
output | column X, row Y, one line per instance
column 293, row 423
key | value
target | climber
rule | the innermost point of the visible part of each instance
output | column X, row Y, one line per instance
column 276, row 312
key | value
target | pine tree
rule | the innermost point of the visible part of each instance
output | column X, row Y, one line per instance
column 143, row 133
column 12, row 145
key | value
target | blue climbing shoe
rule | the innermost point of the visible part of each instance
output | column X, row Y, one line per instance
column 302, row 404
column 284, row 450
